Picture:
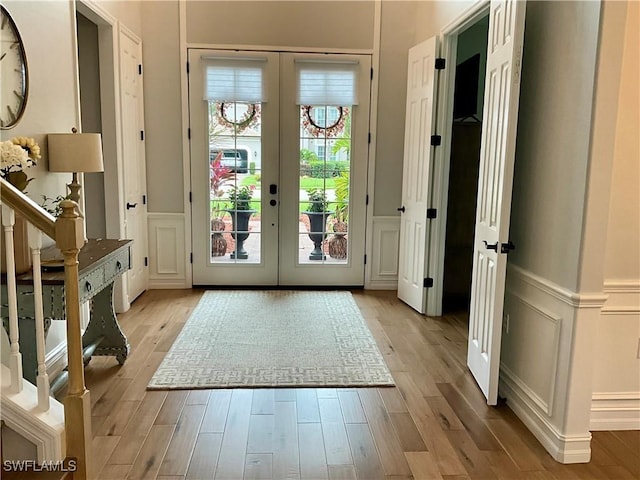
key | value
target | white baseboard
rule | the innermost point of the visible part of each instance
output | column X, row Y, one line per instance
column 563, row 448
column 615, row 411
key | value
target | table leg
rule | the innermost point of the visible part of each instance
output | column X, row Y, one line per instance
column 104, row 323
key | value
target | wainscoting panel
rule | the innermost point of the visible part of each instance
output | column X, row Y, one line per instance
column 384, row 253
column 616, row 385
column 167, row 252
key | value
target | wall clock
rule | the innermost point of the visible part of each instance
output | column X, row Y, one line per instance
column 13, row 69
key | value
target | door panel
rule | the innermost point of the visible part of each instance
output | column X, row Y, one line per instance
column 418, row 156
column 218, row 168
column 133, row 153
column 497, row 157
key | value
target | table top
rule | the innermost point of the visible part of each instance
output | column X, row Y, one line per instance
column 90, row 256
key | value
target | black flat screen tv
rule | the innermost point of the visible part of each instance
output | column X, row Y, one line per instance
column 465, row 100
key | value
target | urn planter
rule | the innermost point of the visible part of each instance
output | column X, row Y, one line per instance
column 240, row 232
column 317, row 233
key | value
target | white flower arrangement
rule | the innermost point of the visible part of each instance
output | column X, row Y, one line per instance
column 16, row 155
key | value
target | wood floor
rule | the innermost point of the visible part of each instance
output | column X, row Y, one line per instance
column 434, row 425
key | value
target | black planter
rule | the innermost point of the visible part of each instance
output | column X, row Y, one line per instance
column 318, row 232
column 240, row 221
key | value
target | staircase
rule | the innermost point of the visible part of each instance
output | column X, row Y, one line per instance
column 60, row 433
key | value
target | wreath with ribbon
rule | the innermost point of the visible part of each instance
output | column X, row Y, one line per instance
column 316, row 130
column 249, row 119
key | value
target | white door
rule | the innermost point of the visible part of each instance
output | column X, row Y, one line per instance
column 288, row 145
column 133, row 155
column 497, row 157
column 416, row 171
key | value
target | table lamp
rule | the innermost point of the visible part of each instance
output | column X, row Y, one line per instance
column 75, row 152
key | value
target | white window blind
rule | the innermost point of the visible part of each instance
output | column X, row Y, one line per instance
column 229, row 79
column 327, row 83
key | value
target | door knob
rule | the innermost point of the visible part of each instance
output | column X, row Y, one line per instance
column 401, row 209
column 491, row 246
column 507, row 247
column 131, row 205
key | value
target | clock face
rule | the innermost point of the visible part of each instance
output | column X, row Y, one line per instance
column 13, row 72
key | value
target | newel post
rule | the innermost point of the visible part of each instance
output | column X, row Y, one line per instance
column 69, row 230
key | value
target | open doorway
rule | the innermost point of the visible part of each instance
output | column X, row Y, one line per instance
column 91, row 114
column 464, row 162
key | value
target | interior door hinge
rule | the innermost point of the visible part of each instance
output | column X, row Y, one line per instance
column 369, row 138
column 144, row 199
column 142, row 135
column 146, row 261
column 440, row 63
column 436, row 140
column 432, row 213
column 428, row 282
column 371, row 73
column 139, row 69
column 189, row 133
column 365, row 258
column 191, row 257
column 190, row 197
column 366, row 202
column 187, row 68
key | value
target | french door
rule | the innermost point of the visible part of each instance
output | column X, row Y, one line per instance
column 279, row 148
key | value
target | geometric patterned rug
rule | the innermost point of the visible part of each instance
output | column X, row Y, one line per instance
column 273, row 338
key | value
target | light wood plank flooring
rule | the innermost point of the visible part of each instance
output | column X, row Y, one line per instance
column 434, row 425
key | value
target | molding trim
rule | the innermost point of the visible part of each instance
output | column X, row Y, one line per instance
column 563, row 448
column 573, row 299
column 624, row 297
column 167, row 251
column 615, row 411
column 44, row 429
column 385, row 243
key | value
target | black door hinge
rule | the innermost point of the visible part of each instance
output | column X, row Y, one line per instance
column 365, row 258
column 440, row 63
column 142, row 135
column 428, row 282
column 366, row 202
column 144, row 199
column 369, row 139
column 139, row 69
column 436, row 140
column 190, row 197
column 189, row 133
column 191, row 257
column 187, row 68
column 432, row 213
column 371, row 73
column 146, row 261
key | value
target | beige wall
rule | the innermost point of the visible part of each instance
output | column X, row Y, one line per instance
column 344, row 24
column 618, row 369
column 163, row 106
column 128, row 12
column 554, row 128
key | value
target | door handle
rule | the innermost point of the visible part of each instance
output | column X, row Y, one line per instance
column 507, row 247
column 491, row 246
column 131, row 205
column 401, row 209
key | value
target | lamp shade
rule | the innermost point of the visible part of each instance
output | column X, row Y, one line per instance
column 75, row 152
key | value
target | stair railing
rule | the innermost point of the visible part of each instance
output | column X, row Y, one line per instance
column 68, row 232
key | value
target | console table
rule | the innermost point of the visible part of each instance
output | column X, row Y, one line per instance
column 101, row 261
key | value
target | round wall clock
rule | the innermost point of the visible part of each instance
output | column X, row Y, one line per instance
column 13, row 69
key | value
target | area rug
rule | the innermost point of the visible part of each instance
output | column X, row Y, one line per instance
column 273, row 338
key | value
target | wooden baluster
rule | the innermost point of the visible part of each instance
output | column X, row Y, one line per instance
column 15, row 359
column 69, row 231
column 42, row 380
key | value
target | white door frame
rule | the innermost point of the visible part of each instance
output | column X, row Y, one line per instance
column 440, row 174
column 108, row 47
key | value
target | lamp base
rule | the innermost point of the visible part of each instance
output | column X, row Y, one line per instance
column 74, row 188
